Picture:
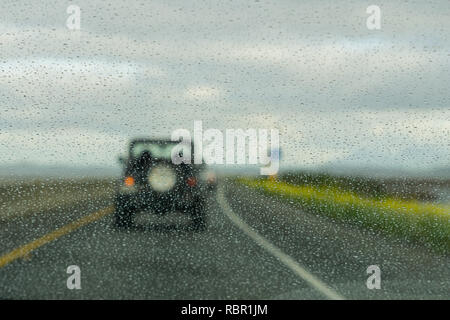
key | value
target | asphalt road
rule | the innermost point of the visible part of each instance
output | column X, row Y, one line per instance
column 255, row 247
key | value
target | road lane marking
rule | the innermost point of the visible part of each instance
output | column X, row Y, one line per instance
column 287, row 260
column 26, row 249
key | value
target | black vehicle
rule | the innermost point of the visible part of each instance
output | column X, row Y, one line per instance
column 152, row 181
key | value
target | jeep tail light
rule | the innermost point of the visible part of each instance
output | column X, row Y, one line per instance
column 129, row 181
column 191, row 181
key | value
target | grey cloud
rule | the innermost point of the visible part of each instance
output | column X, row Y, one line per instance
column 306, row 67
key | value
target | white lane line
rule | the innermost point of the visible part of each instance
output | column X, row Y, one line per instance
column 305, row 275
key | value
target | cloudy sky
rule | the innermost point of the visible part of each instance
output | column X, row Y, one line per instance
column 340, row 94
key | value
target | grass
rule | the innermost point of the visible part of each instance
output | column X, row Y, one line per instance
column 405, row 188
column 419, row 221
column 23, row 197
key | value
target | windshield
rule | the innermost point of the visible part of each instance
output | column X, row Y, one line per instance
column 313, row 161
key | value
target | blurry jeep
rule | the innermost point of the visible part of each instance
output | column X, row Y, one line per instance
column 152, row 181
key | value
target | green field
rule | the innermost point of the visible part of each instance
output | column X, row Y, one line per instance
column 422, row 189
column 417, row 220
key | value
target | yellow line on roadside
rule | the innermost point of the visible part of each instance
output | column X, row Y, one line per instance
column 24, row 250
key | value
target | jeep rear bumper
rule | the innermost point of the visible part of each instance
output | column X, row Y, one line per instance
column 159, row 203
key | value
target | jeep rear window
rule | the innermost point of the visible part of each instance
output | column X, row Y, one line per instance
column 157, row 150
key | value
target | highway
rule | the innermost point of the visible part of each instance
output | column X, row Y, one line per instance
column 255, row 247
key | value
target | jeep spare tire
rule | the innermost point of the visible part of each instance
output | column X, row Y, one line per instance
column 162, row 178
